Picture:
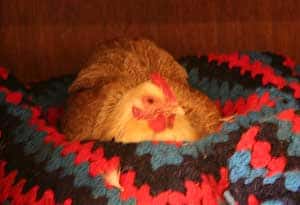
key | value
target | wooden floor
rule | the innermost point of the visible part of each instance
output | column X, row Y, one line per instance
column 41, row 39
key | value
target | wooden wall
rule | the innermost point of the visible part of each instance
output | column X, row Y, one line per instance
column 41, row 39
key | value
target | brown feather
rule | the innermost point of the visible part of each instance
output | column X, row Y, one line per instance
column 134, row 59
column 200, row 110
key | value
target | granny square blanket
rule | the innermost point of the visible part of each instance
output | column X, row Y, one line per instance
column 254, row 159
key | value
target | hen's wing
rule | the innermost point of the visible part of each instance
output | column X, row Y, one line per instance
column 80, row 113
column 201, row 111
column 90, row 113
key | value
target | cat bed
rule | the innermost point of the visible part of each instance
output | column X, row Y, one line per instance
column 254, row 159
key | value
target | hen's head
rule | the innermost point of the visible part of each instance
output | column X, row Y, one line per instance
column 149, row 111
column 156, row 103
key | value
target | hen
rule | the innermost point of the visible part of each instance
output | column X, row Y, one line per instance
column 132, row 91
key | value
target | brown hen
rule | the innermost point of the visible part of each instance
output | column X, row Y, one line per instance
column 131, row 91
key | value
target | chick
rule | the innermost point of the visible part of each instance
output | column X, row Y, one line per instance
column 133, row 91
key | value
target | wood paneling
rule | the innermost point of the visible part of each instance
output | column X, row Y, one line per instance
column 41, row 39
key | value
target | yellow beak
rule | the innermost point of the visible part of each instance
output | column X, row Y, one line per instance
column 179, row 111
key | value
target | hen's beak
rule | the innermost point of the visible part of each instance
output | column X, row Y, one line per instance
column 179, row 111
column 171, row 118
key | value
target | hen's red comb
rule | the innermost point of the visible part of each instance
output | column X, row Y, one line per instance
column 159, row 81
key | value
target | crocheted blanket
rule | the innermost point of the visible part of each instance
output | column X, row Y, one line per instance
column 254, row 159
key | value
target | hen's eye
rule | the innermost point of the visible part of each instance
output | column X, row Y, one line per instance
column 150, row 100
